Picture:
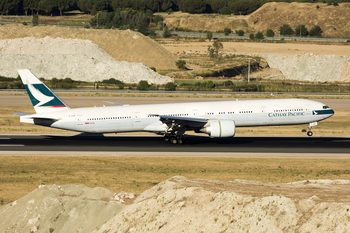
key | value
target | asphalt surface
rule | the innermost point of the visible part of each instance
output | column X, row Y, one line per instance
column 199, row 144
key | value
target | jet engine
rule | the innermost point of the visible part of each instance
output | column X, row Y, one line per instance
column 219, row 128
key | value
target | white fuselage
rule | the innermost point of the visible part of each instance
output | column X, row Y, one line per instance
column 135, row 118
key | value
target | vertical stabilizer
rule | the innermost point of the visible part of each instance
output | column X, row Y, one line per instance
column 43, row 99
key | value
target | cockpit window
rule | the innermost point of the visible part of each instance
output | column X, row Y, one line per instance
column 325, row 107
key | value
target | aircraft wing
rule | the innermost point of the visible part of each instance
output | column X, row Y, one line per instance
column 183, row 121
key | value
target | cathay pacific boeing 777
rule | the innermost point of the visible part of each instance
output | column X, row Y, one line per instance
column 217, row 119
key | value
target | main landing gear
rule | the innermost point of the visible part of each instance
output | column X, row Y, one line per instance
column 310, row 133
column 174, row 139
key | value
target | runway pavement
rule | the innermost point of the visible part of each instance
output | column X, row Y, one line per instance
column 300, row 146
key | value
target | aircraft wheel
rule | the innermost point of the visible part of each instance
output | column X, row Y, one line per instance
column 179, row 141
column 309, row 133
column 173, row 140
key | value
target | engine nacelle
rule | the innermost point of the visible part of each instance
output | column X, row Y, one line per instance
column 219, row 128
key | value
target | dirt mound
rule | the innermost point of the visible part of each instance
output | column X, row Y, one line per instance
column 184, row 205
column 311, row 67
column 123, row 45
column 70, row 58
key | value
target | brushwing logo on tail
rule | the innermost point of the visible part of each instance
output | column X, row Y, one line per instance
column 40, row 97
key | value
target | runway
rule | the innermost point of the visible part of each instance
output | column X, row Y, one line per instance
column 204, row 145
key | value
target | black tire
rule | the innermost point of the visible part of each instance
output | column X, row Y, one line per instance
column 173, row 141
column 309, row 133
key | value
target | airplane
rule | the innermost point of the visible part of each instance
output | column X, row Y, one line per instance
column 217, row 119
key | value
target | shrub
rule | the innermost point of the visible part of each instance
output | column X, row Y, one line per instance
column 181, row 64
column 170, row 86
column 166, row 32
column 35, row 20
column 302, row 29
column 143, row 85
column 240, row 33
column 227, row 31
column 316, row 31
column 335, row 4
column 270, row 33
column 251, row 36
column 317, row 7
column 109, row 81
column 228, row 83
column 25, row 23
column 154, row 69
column 259, row 36
column 286, row 30
column 209, row 35
column 210, row 84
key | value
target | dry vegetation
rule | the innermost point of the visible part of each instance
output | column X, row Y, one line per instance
column 20, row 175
column 332, row 20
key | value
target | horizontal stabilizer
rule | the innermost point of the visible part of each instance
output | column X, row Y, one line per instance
column 116, row 103
column 21, row 113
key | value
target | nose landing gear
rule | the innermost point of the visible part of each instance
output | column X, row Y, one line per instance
column 310, row 133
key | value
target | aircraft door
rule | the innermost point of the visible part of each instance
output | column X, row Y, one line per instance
column 307, row 110
column 264, row 114
column 80, row 123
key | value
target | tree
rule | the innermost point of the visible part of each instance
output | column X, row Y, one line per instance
column 209, row 35
column 316, row 31
column 217, row 5
column 143, row 85
column 302, row 29
column 227, row 31
column 30, row 5
column 181, row 64
column 251, row 36
column 193, row 6
column 214, row 49
column 225, row 11
column 270, row 33
column 286, row 30
column 244, row 7
column 259, row 36
column 166, row 32
column 240, row 32
column 153, row 5
column 63, row 5
column 170, row 86
column 35, row 20
column 48, row 6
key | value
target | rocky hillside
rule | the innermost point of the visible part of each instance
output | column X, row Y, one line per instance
column 184, row 205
